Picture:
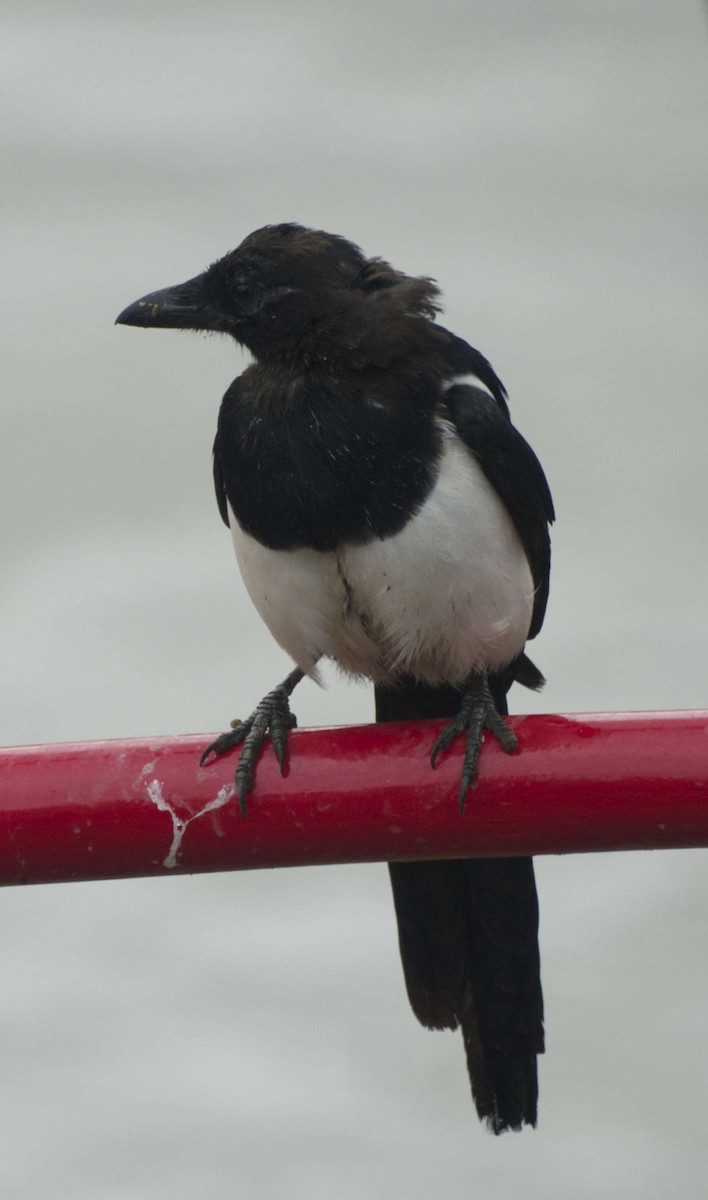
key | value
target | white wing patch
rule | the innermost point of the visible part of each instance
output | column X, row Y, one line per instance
column 450, row 593
column 470, row 380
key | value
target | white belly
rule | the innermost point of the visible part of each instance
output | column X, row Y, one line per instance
column 449, row 594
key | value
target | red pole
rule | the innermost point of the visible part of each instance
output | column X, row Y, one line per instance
column 103, row 810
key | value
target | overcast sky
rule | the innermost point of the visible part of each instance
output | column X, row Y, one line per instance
column 548, row 164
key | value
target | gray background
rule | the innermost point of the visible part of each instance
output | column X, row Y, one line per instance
column 249, row 1035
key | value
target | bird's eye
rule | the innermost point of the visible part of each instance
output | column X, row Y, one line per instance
column 241, row 286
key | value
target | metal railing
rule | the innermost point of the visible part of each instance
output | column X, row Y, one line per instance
column 116, row 809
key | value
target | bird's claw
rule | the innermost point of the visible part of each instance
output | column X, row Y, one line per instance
column 477, row 713
column 226, row 741
column 272, row 716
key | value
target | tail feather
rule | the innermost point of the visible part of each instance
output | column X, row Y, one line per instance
column 468, row 934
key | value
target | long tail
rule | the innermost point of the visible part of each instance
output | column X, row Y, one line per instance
column 468, row 934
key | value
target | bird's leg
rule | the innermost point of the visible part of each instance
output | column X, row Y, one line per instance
column 477, row 713
column 271, row 716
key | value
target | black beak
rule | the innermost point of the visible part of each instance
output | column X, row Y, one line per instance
column 183, row 306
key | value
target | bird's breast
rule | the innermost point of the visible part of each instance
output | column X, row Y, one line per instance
column 329, row 469
column 448, row 593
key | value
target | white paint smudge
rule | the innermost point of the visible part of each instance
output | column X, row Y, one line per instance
column 179, row 825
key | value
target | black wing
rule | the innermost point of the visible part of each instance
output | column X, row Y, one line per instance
column 515, row 473
column 219, row 486
column 463, row 359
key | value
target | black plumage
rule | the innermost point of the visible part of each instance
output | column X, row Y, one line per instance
column 360, row 470
column 354, row 431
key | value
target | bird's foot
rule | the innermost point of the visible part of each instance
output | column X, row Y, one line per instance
column 477, row 713
column 272, row 716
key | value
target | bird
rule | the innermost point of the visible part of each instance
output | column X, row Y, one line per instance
column 387, row 515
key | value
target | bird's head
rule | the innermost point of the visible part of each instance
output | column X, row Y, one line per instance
column 287, row 290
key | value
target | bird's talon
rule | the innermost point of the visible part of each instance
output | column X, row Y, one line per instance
column 477, row 713
column 437, row 748
column 271, row 716
column 507, row 740
column 468, row 781
column 223, row 743
column 242, row 790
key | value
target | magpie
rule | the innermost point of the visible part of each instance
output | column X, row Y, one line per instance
column 387, row 515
